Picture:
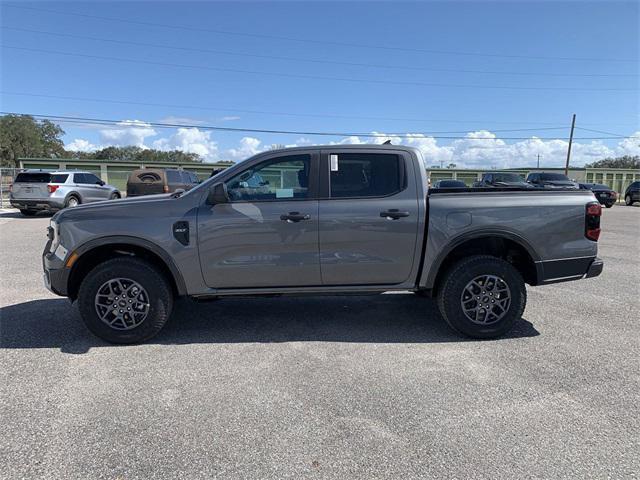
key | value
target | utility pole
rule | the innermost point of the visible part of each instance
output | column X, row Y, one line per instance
column 538, row 161
column 573, row 125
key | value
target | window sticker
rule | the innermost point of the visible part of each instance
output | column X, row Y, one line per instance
column 284, row 192
column 334, row 162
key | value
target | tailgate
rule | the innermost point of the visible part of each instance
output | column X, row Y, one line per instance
column 29, row 191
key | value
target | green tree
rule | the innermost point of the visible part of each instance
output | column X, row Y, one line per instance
column 626, row 161
column 23, row 136
column 138, row 155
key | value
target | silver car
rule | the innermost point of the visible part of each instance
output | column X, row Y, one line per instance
column 36, row 190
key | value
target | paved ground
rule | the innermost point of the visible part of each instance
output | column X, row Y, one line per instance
column 344, row 387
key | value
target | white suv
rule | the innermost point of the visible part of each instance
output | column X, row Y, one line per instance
column 35, row 190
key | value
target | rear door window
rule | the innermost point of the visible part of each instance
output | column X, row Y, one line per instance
column 365, row 174
column 80, row 178
column 59, row 178
column 33, row 177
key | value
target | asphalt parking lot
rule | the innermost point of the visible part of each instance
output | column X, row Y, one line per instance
column 324, row 387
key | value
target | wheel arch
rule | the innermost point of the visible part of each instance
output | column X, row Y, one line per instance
column 502, row 244
column 97, row 251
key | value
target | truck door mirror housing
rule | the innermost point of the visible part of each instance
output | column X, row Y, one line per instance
column 218, row 194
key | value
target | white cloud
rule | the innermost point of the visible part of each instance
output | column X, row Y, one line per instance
column 190, row 140
column 630, row 146
column 478, row 149
column 248, row 146
column 81, row 145
column 128, row 132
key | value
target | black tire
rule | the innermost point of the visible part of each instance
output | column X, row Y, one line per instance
column 608, row 205
column 452, row 287
column 160, row 299
column 28, row 213
column 69, row 201
column 114, row 196
column 628, row 201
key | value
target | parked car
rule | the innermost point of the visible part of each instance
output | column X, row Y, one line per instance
column 502, row 180
column 151, row 181
column 603, row 193
column 449, row 183
column 320, row 220
column 36, row 190
column 551, row 180
column 632, row 193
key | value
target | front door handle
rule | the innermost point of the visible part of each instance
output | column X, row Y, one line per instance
column 393, row 214
column 294, row 217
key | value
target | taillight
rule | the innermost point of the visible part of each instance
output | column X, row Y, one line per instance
column 592, row 221
column 10, row 187
column 165, row 189
column 614, row 194
column 52, row 188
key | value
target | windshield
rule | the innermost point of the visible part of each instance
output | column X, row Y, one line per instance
column 507, row 177
column 553, row 177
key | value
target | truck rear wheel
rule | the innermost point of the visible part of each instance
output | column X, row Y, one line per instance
column 482, row 296
column 125, row 300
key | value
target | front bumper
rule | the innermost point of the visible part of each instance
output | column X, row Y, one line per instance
column 56, row 275
column 36, row 204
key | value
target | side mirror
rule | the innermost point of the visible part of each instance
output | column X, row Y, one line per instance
column 101, row 183
column 218, row 194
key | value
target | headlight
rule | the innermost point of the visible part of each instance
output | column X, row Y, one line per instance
column 54, row 235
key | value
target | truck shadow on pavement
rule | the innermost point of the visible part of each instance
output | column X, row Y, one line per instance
column 398, row 318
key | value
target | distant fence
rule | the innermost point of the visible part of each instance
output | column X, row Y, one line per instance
column 7, row 176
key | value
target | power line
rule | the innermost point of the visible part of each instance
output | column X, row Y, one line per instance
column 120, row 123
column 312, row 77
column 319, row 61
column 601, row 131
column 236, row 110
column 315, row 41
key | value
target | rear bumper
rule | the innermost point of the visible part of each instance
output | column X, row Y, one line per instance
column 595, row 268
column 36, row 204
column 565, row 270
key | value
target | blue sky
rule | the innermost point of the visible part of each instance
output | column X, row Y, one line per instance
column 340, row 67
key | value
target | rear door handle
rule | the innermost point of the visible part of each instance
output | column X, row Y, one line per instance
column 294, row 217
column 393, row 214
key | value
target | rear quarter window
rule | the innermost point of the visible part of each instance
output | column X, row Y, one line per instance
column 59, row 178
column 173, row 176
column 35, row 177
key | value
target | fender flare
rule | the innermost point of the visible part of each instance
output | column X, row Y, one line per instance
column 477, row 234
column 142, row 243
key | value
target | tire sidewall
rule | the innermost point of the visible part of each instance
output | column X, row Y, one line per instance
column 160, row 299
column 628, row 200
column 66, row 203
column 465, row 271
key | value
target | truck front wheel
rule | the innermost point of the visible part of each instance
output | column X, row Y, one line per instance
column 125, row 300
column 482, row 296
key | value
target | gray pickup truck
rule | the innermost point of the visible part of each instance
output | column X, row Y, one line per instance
column 320, row 220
